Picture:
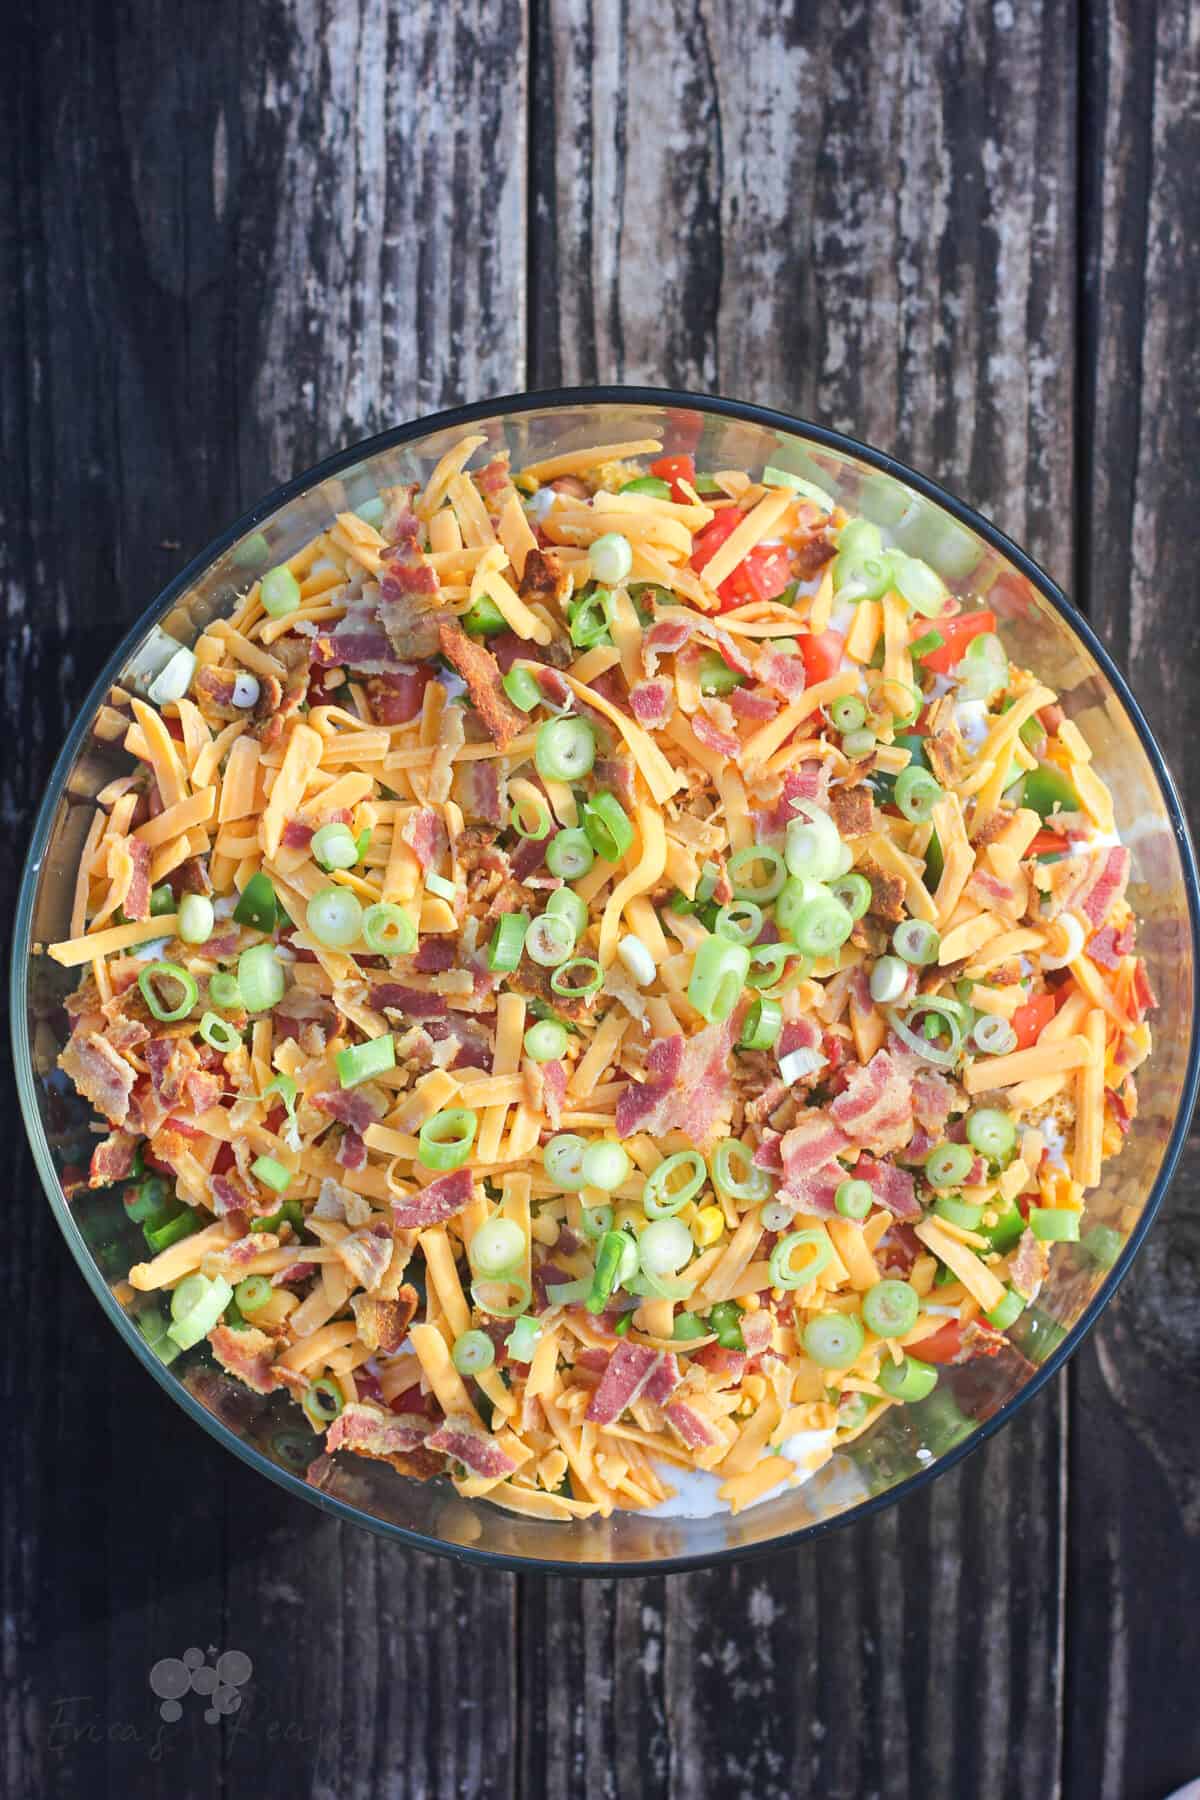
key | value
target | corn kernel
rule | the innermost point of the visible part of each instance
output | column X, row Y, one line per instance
column 755, row 1386
column 749, row 1302
column 708, row 1225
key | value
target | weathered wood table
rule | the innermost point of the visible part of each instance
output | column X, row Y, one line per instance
column 240, row 235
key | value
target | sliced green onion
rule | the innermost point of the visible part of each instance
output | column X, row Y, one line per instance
column 439, row 885
column 279, row 592
column 688, row 1326
column 146, row 1200
column 948, row 1165
column 473, row 1352
column 497, row 1247
column 173, row 679
column 889, row 978
column 566, row 904
column 508, row 942
column 813, row 1246
column 550, row 939
column 562, row 1160
column 447, row 1137
column 606, row 1165
column 362, row 1062
column 637, row 959
column 162, row 900
column 596, row 1220
column 774, row 1216
column 858, row 744
column 223, row 990
column 483, row 617
column 252, row 1294
column 762, row 1025
column 675, row 1181
column 930, row 640
column 186, row 984
column 523, row 1339
column 258, row 906
column 271, row 1173
column 1054, row 1224
column 862, row 578
column 917, row 942
column 664, row 1246
column 715, row 674
column 333, row 847
column 854, row 892
column 821, row 926
column 736, row 1173
column 917, row 583
column 740, row 921
column 607, row 826
column 334, row 917
column 963, row 1213
column 773, row 477
column 1103, row 1245
column 587, row 620
column 854, row 1199
column 767, row 964
column 260, row 978
column 834, row 1340
column 323, row 1401
column 860, row 538
column 719, row 971
column 848, row 713
column 204, row 1307
column 522, row 689
column 992, row 1132
column 171, row 1231
column 504, row 1297
column 910, row 1380
column 371, row 510
column 388, row 930
column 531, row 821
column 569, row 855
column 611, row 1255
column 565, row 749
column 917, row 793
column 286, row 1088
column 546, row 1041
column 774, row 873
column 890, row 1309
column 1007, row 1311
column 993, row 1035
column 647, row 484
column 852, row 1411
column 196, row 919
column 945, row 1056
column 219, row 1034
column 812, row 846
column 611, row 558
column 565, row 979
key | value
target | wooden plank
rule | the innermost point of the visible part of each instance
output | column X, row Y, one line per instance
column 1132, row 1727
column 866, row 219
column 235, row 238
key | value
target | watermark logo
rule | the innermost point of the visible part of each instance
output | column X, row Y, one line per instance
column 218, row 1682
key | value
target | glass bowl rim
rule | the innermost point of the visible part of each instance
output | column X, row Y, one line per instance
column 331, row 466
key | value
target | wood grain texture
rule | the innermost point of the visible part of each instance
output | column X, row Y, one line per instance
column 236, row 237
column 1136, row 1389
column 892, row 198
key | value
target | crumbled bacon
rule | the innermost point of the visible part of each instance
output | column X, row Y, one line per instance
column 688, row 1086
column 664, row 638
column 544, row 581
column 434, row 955
column 782, row 671
column 356, row 1107
column 425, row 835
column 1107, row 946
column 479, row 670
column 1029, row 1266
column 615, row 774
column 852, row 809
column 625, row 1379
column 370, row 1431
column 724, row 743
column 442, row 1199
column 396, row 697
column 809, row 782
column 664, row 1379
column 461, row 1438
column 1090, row 884
column 352, row 1151
column 932, row 1099
column 653, row 703
column 113, row 1159
column 477, row 786
column 101, row 1076
column 136, row 904
column 753, row 703
column 887, row 892
column 689, row 1427
column 383, row 1324
column 366, row 1254
column 875, row 1107
column 248, row 1354
column 726, row 1367
column 892, row 1186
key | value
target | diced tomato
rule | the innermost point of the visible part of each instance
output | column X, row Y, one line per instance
column 675, row 469
column 1048, row 843
column 1030, row 1020
column 706, row 543
column 957, row 632
column 685, row 429
column 941, row 1346
column 822, row 653
column 760, row 575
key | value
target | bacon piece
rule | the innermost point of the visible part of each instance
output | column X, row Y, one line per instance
column 101, row 1076
column 629, row 1370
column 875, row 1107
column 689, row 1427
column 664, row 638
column 477, row 785
column 688, row 1085
column 366, row 1255
column 202, row 1090
column 433, row 956
column 356, row 1107
column 396, row 697
column 734, row 658
column 362, row 641
column 809, row 782
column 136, row 904
column 352, row 1151
column 1108, row 946
column 215, row 687
column 812, row 556
column 726, row 1367
column 852, row 809
column 442, row 1199
column 383, row 1324
column 414, row 1003
column 664, row 1379
column 653, row 703
column 113, row 1159
column 757, row 1330
column 296, row 835
column 592, row 1357
column 544, row 580
column 989, row 891
column 892, row 1186
column 232, row 1194
column 554, row 1093
column 473, row 1045
column 887, row 892
column 932, row 1098
column 615, row 774
column 247, row 1354
column 528, row 857
column 752, row 703
column 371, row 1431
column 425, row 836
column 245, row 1249
column 479, row 670
column 769, row 1154
column 797, row 1034
column 724, row 743
column 812, row 1142
column 1144, row 999
column 1029, row 1266
column 1091, row 883
column 461, row 1438
column 293, row 1272
column 492, row 480
column 783, row 672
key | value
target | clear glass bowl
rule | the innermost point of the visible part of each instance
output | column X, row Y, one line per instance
column 909, row 1445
